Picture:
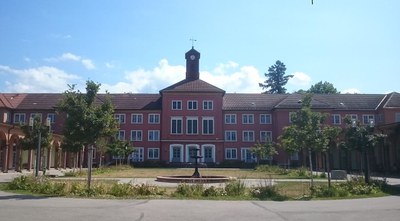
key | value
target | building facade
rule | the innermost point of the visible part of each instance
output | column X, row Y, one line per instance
column 193, row 115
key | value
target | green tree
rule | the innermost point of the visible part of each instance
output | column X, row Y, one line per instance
column 362, row 138
column 120, row 149
column 323, row 88
column 276, row 79
column 31, row 138
column 88, row 117
column 305, row 132
column 264, row 150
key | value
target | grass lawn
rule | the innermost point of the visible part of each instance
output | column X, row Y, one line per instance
column 129, row 172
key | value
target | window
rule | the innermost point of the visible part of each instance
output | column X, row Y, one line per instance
column 176, row 105
column 191, row 125
column 51, row 117
column 248, row 118
column 192, row 105
column 231, row 153
column 19, row 118
column 120, row 118
column 137, row 154
column 137, row 118
column 353, row 117
column 397, row 117
column 265, row 136
column 207, row 105
column 248, row 136
column 291, row 116
column 176, row 125
column 120, row 135
column 336, row 119
column 208, row 125
column 154, row 118
column 230, row 135
column 368, row 119
column 265, row 119
column 153, row 153
column 136, row 135
column 36, row 115
column 230, row 118
column 153, row 135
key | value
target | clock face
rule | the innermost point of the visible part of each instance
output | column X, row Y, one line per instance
column 192, row 57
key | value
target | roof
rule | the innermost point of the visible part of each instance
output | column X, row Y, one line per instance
column 252, row 101
column 192, row 86
column 393, row 101
column 136, row 101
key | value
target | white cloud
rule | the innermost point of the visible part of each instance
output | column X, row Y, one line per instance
column 40, row 79
column 228, row 76
column 351, row 91
column 69, row 56
column 109, row 65
column 300, row 79
column 87, row 63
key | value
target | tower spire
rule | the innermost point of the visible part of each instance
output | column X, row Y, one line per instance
column 193, row 40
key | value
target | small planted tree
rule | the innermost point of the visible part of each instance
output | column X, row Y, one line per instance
column 304, row 134
column 264, row 151
column 120, row 149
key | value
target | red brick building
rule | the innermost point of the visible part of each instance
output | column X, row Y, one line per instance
column 167, row 127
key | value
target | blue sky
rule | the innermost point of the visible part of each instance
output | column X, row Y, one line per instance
column 138, row 46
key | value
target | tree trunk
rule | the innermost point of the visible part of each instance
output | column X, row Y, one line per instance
column 311, row 167
column 328, row 167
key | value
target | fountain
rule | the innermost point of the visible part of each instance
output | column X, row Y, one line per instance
column 196, row 177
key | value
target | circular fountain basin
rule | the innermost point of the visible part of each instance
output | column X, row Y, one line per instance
column 190, row 179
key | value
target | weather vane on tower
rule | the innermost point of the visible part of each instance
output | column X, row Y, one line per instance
column 193, row 40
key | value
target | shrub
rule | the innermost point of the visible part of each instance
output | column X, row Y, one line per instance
column 235, row 188
column 146, row 190
column 195, row 190
column 214, row 192
column 121, row 190
column 21, row 183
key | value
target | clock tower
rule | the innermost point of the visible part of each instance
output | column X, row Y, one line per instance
column 192, row 65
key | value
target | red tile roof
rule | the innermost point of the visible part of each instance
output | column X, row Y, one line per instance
column 192, row 86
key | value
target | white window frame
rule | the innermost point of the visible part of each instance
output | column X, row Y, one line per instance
column 206, row 130
column 247, row 118
column 137, row 155
column 336, row 119
column 153, row 135
column 352, row 117
column 250, row 138
column 230, row 118
column 229, row 153
column 367, row 118
column 181, row 125
column 171, row 152
column 208, row 105
column 192, row 105
column 264, row 117
column 154, row 119
column 51, row 117
column 120, row 135
column 247, row 150
column 120, row 118
column 34, row 115
column 137, row 118
column 136, row 135
column 203, row 153
column 195, row 130
column 187, row 152
column 19, row 116
column 265, row 136
column 176, row 105
column 151, row 153
column 229, row 134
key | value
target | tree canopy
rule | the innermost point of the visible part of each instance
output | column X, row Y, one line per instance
column 88, row 118
column 276, row 79
column 323, row 88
